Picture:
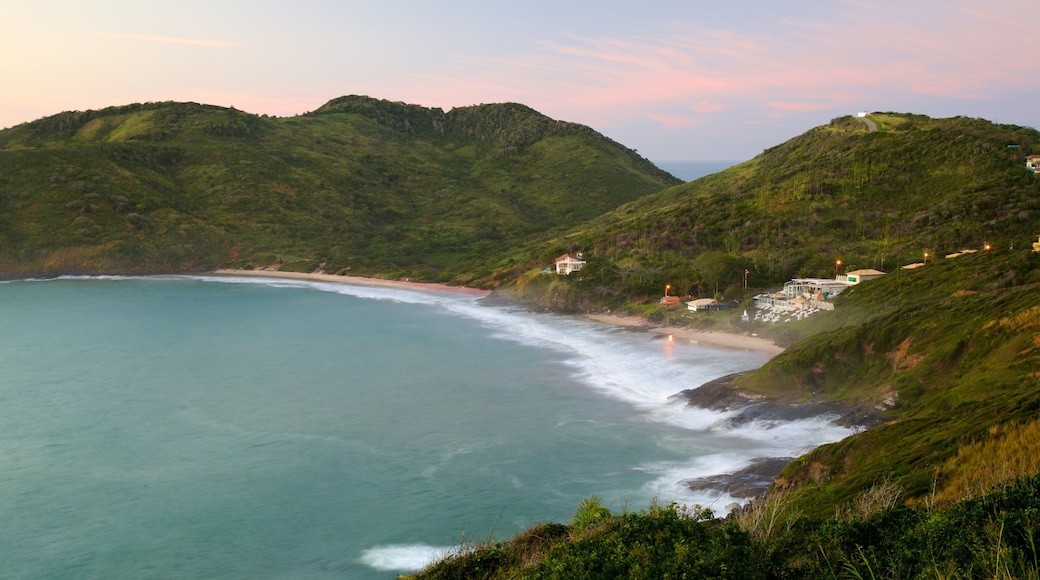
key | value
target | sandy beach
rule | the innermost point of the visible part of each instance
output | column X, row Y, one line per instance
column 706, row 337
column 357, row 280
column 718, row 339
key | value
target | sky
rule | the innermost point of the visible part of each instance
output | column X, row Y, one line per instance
column 677, row 80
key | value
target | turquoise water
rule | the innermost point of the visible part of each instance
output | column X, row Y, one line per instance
column 189, row 427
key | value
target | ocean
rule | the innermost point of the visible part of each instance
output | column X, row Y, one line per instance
column 691, row 170
column 184, row 427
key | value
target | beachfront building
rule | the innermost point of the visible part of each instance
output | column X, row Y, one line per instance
column 702, row 305
column 566, row 264
column 802, row 297
column 820, row 289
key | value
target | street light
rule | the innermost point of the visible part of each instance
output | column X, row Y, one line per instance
column 837, row 264
column 926, row 257
column 986, row 246
column 667, row 287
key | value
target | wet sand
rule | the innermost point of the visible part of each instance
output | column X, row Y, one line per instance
column 705, row 337
column 356, row 280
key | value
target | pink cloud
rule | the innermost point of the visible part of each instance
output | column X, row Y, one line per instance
column 965, row 50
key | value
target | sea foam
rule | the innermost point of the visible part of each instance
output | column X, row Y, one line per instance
column 408, row 557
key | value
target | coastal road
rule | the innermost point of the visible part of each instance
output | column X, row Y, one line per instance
column 871, row 125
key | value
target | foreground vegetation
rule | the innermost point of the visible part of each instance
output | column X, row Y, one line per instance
column 994, row 536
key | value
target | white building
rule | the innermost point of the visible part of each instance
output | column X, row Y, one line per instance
column 702, row 304
column 821, row 289
column 566, row 264
column 857, row 276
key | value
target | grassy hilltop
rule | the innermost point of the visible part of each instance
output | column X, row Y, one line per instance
column 381, row 188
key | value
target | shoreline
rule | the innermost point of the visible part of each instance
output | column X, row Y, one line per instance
column 352, row 280
column 698, row 337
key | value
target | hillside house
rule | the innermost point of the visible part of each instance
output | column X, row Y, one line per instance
column 566, row 264
column 857, row 276
column 1036, row 245
column 1033, row 163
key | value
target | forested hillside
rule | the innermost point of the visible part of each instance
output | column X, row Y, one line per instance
column 369, row 186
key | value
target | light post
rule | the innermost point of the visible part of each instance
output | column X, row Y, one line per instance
column 667, row 287
column 926, row 258
column 837, row 264
column 987, row 247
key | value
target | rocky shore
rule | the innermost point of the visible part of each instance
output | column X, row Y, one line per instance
column 722, row 395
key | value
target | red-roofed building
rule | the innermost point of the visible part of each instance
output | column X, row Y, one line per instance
column 566, row 264
column 670, row 301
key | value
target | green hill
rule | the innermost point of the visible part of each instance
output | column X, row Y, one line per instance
column 381, row 188
column 838, row 192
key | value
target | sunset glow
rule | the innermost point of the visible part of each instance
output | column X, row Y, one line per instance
column 674, row 80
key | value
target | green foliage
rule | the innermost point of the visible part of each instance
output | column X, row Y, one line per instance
column 590, row 512
column 994, row 536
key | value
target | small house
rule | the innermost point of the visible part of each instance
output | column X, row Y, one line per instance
column 566, row 264
column 702, row 304
column 857, row 276
column 670, row 301
column 1036, row 245
column 1033, row 163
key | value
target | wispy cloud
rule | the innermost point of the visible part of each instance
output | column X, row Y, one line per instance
column 677, row 72
column 207, row 43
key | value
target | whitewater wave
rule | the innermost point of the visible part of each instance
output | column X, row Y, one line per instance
column 642, row 370
column 404, row 558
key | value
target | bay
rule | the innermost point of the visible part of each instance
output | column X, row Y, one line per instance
column 234, row 428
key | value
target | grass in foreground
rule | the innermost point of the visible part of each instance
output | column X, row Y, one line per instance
column 875, row 536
